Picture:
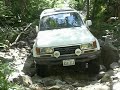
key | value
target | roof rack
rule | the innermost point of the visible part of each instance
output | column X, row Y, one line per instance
column 56, row 10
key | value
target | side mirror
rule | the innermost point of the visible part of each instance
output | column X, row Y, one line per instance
column 37, row 29
column 88, row 23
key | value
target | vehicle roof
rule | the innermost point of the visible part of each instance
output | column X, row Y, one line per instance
column 47, row 12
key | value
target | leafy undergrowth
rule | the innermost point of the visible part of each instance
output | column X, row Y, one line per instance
column 5, row 71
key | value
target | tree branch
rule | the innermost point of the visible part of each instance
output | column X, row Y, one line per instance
column 17, row 38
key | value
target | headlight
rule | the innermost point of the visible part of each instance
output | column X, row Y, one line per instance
column 56, row 54
column 94, row 44
column 37, row 50
column 47, row 50
column 86, row 46
column 78, row 52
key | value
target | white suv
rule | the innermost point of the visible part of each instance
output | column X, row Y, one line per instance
column 63, row 38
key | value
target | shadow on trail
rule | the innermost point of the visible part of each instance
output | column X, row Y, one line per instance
column 76, row 72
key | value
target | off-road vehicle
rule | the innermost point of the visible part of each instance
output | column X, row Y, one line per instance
column 64, row 38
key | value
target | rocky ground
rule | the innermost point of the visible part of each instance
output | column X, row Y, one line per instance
column 59, row 79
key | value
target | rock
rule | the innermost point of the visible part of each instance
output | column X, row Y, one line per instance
column 100, row 75
column 14, row 76
column 37, row 79
column 56, row 87
column 76, row 84
column 78, row 88
column 95, row 87
column 114, row 65
column 116, row 86
column 21, row 44
column 23, row 50
column 67, row 87
column 35, row 87
column 59, row 82
column 114, row 78
column 26, row 88
column 2, row 54
column 69, row 80
column 48, row 82
column 9, row 58
column 25, row 80
column 31, row 72
column 108, row 55
column 110, row 72
column 102, row 68
column 18, row 62
column 119, row 60
column 6, row 58
column 118, row 75
column 106, row 78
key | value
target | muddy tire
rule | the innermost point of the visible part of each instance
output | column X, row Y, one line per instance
column 108, row 55
column 93, row 67
column 42, row 70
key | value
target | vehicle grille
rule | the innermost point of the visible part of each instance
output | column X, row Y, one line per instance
column 67, row 50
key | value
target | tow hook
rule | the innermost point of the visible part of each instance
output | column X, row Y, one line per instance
column 86, row 65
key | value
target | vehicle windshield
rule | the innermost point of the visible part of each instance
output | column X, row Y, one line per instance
column 61, row 20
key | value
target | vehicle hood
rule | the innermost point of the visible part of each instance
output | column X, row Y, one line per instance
column 64, row 37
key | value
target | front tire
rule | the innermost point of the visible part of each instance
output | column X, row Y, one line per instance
column 42, row 70
column 93, row 67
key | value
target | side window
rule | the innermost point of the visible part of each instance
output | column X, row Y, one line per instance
column 74, row 20
column 43, row 23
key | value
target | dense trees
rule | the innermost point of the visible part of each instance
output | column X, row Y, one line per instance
column 21, row 11
column 17, row 13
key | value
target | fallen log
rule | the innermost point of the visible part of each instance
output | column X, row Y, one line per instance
column 19, row 35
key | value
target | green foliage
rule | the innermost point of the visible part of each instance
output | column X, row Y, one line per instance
column 99, row 29
column 4, row 10
column 73, row 4
column 20, row 12
column 78, row 4
column 3, row 82
column 5, row 70
column 8, row 33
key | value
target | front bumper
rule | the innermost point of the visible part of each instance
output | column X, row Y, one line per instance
column 53, row 61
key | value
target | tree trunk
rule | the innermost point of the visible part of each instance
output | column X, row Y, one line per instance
column 87, row 9
column 7, row 2
column 53, row 3
column 94, row 9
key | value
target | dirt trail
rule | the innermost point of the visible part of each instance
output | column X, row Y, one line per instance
column 60, row 78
